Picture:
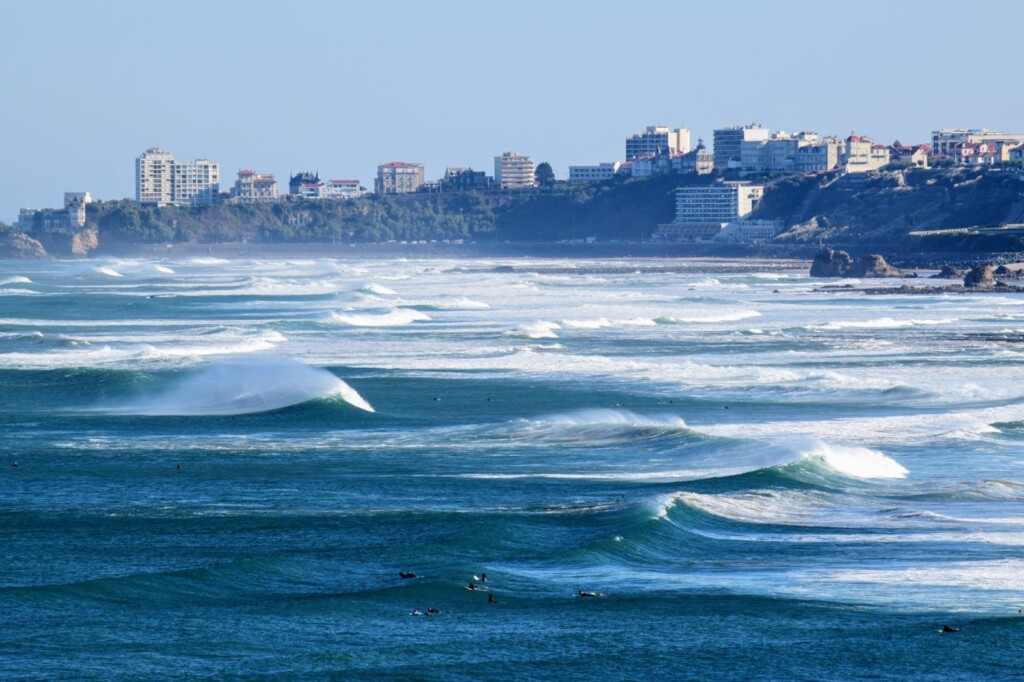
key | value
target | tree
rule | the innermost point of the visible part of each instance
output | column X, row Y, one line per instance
column 544, row 175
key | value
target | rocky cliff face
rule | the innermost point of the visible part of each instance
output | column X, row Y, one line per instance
column 883, row 208
column 17, row 244
column 980, row 278
column 78, row 244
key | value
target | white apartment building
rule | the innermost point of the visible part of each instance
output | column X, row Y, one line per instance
column 196, row 183
column 512, row 171
column 728, row 143
column 154, row 177
column 946, row 141
column 702, row 212
column 602, row 171
column 655, row 139
column 778, row 154
column 341, row 189
column 862, row 155
column 398, row 177
column 255, row 187
column 162, row 181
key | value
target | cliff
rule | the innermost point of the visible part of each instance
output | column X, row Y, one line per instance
column 16, row 244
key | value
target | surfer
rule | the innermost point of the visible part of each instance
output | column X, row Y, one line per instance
column 950, row 628
column 14, row 465
column 178, row 467
column 416, row 612
column 431, row 611
column 581, row 593
column 490, row 598
column 405, row 575
column 472, row 586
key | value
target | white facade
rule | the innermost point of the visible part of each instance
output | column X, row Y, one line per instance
column 602, row 171
column 946, row 141
column 819, row 157
column 196, row 183
column 154, row 177
column 861, row 155
column 728, row 143
column 655, row 139
column 778, row 154
column 722, row 202
column 255, row 187
column 341, row 189
column 512, row 171
column 74, row 204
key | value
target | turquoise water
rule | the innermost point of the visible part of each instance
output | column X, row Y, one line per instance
column 223, row 466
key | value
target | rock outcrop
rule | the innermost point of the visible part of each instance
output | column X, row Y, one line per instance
column 831, row 263
column 980, row 278
column 872, row 265
column 950, row 272
column 17, row 244
column 84, row 241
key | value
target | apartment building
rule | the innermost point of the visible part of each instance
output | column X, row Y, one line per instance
column 947, row 141
column 602, row 171
column 656, row 138
column 819, row 157
column 777, row 154
column 341, row 189
column 861, row 155
column 702, row 212
column 160, row 180
column 512, row 171
column 728, row 144
column 398, row 177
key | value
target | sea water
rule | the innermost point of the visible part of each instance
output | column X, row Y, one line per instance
column 222, row 467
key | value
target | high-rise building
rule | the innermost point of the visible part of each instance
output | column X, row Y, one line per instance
column 398, row 177
column 161, row 181
column 196, row 183
column 512, row 171
column 255, row 187
column 728, row 144
column 655, row 139
column 702, row 211
column 154, row 177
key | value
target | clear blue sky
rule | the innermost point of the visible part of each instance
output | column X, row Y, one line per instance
column 342, row 86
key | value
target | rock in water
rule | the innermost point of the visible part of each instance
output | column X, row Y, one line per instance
column 950, row 272
column 872, row 265
column 17, row 244
column 980, row 278
column 831, row 263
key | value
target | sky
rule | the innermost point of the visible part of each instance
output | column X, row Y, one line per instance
column 339, row 87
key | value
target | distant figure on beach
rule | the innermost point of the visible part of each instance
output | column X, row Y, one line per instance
column 405, row 575
column 950, row 628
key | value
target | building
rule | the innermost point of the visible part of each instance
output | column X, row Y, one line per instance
column 698, row 160
column 341, row 189
column 464, row 179
column 1017, row 154
column 154, row 177
column 64, row 220
column 656, row 138
column 602, row 171
column 751, row 231
column 862, row 155
column 951, row 142
column 311, row 190
column 512, row 171
column 296, row 181
column 398, row 177
column 196, row 183
column 702, row 212
column 728, row 143
column 777, row 154
column 255, row 187
column 915, row 156
column 819, row 157
column 160, row 180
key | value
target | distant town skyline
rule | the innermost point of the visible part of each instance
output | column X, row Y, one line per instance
column 341, row 88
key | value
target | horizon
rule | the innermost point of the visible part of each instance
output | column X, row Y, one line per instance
column 264, row 90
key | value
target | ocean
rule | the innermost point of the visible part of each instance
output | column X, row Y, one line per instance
column 218, row 469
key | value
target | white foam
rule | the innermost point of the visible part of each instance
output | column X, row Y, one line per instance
column 884, row 323
column 709, row 317
column 14, row 280
column 396, row 317
column 855, row 461
column 378, row 289
column 536, row 330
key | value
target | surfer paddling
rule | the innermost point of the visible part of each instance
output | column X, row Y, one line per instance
column 406, row 575
column 581, row 593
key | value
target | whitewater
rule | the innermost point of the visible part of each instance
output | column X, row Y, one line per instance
column 218, row 468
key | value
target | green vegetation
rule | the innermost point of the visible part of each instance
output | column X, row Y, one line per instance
column 544, row 175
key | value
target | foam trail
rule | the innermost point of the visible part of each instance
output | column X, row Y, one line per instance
column 395, row 317
column 245, row 387
column 15, row 280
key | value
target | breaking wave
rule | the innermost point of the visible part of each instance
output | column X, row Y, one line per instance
column 395, row 317
column 244, row 387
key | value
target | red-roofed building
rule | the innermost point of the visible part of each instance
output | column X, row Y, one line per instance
column 862, row 155
column 915, row 156
column 254, row 187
